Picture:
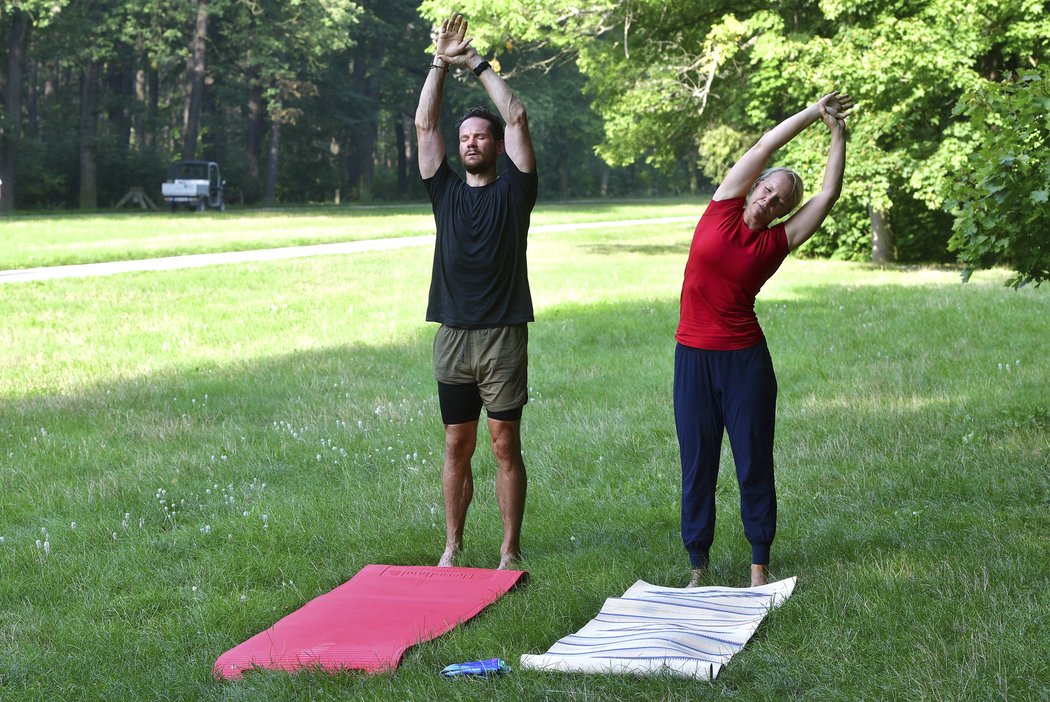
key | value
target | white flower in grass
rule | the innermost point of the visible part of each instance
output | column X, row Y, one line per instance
column 266, row 521
column 194, row 588
column 114, row 536
column 73, row 526
column 318, row 456
column 43, row 530
column 39, row 544
column 47, row 547
column 244, row 513
column 244, row 598
column 2, row 540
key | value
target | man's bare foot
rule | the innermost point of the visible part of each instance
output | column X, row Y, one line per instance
column 759, row 574
column 695, row 577
column 448, row 558
column 508, row 560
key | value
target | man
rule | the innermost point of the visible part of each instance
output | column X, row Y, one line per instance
column 479, row 292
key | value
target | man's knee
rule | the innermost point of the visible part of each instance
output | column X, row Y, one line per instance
column 460, row 440
column 506, row 442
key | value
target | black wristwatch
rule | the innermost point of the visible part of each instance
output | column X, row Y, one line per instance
column 481, row 68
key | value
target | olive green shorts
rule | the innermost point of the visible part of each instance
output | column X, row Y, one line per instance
column 496, row 360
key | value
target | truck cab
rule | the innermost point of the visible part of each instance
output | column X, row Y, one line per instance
column 196, row 185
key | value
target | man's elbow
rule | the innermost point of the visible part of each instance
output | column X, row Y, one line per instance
column 516, row 116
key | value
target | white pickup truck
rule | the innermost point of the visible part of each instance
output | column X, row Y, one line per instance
column 196, row 185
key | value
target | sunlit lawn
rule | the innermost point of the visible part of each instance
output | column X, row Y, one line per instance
column 33, row 240
column 204, row 451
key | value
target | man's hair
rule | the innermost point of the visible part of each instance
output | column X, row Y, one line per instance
column 495, row 123
column 797, row 189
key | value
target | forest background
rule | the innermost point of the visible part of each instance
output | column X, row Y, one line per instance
column 312, row 101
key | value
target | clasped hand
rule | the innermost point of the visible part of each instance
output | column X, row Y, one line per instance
column 453, row 45
column 834, row 108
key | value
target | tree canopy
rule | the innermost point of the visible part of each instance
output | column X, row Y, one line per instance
column 312, row 101
column 695, row 79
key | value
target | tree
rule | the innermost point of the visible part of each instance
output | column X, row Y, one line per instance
column 16, row 19
column 1000, row 192
column 279, row 46
column 195, row 73
column 663, row 73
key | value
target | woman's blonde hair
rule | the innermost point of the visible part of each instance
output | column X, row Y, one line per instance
column 797, row 189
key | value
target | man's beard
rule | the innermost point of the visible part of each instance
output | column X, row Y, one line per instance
column 478, row 166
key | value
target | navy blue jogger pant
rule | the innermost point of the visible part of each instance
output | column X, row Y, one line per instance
column 736, row 392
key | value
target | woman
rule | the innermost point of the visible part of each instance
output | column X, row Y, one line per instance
column 723, row 378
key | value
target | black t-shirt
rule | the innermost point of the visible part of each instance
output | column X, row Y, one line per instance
column 480, row 276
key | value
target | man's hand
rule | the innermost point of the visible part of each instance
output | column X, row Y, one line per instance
column 453, row 45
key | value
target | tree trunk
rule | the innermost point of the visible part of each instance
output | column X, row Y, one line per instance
column 690, row 160
column 120, row 89
column 11, row 127
column 138, row 114
column 32, row 99
column 152, row 106
column 195, row 81
column 563, row 175
column 256, row 125
column 883, row 249
column 366, row 166
column 403, row 127
column 271, row 165
column 88, row 137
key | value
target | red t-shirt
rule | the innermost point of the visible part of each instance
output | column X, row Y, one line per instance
column 727, row 266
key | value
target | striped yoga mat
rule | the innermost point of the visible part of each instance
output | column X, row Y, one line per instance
column 688, row 632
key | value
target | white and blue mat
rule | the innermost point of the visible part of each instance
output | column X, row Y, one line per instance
column 687, row 632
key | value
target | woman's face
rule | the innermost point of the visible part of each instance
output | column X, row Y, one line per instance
column 768, row 201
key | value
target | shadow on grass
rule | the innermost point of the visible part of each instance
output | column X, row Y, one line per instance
column 339, row 448
column 647, row 250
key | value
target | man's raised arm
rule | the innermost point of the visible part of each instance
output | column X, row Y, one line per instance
column 430, row 144
column 517, row 139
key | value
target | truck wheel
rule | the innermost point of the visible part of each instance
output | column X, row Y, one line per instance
column 174, row 207
column 202, row 204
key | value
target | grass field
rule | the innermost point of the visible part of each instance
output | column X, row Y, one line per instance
column 187, row 456
column 33, row 240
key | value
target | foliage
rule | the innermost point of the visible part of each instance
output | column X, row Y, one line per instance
column 1000, row 195
column 670, row 79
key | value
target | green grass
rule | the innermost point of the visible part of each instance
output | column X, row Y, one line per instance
column 32, row 240
column 913, row 474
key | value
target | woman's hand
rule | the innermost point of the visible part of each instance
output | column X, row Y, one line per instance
column 834, row 108
column 452, row 44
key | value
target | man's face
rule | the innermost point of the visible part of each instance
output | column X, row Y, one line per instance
column 478, row 149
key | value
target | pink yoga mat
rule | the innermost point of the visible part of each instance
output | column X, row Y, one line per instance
column 367, row 622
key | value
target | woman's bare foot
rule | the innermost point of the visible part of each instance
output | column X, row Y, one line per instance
column 695, row 577
column 759, row 574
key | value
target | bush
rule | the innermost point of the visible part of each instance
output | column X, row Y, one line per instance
column 1000, row 197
